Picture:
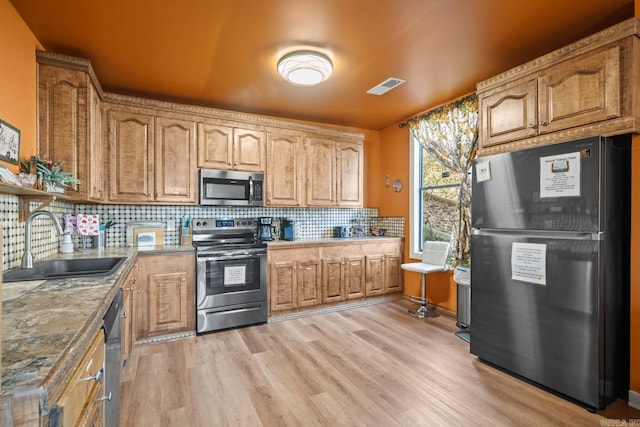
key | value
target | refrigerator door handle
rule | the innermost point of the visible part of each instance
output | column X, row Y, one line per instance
column 546, row 234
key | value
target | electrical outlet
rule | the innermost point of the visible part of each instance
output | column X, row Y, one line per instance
column 54, row 235
column 171, row 225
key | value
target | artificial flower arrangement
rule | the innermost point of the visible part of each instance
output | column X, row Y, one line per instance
column 50, row 176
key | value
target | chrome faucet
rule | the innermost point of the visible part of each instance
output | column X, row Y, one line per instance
column 27, row 258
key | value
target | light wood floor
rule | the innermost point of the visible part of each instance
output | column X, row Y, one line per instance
column 371, row 366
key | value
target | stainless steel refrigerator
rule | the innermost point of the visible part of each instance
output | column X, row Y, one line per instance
column 550, row 266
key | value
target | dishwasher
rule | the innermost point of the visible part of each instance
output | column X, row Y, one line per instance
column 112, row 324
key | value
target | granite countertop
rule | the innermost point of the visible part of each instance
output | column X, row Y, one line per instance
column 46, row 325
column 328, row 240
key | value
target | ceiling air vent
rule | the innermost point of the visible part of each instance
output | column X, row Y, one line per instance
column 385, row 86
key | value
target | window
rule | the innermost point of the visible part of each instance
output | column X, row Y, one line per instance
column 434, row 199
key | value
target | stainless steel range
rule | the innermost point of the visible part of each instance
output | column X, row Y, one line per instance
column 231, row 270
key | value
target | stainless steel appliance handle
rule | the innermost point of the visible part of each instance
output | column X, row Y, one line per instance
column 569, row 235
column 250, row 189
column 230, row 256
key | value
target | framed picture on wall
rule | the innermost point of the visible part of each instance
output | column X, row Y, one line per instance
column 9, row 142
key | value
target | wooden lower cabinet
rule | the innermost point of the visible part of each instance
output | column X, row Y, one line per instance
column 309, row 275
column 80, row 403
column 165, row 303
column 129, row 291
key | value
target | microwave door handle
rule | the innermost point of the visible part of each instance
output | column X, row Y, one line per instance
column 250, row 189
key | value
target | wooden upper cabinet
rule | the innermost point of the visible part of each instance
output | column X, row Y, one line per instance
column 349, row 174
column 585, row 89
column 248, row 150
column 581, row 91
column 230, row 148
column 215, row 146
column 321, row 172
column 335, row 172
column 175, row 160
column 131, row 156
column 285, row 174
column 509, row 114
column 70, row 127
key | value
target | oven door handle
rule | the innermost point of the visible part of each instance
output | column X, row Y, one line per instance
column 231, row 256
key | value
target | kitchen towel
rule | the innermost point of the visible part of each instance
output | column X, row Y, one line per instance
column 88, row 225
column 70, row 221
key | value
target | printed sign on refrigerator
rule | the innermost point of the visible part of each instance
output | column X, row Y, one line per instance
column 560, row 175
column 529, row 262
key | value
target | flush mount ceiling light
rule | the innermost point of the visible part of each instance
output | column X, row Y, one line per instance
column 305, row 67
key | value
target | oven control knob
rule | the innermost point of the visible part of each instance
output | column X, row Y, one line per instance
column 198, row 223
column 204, row 223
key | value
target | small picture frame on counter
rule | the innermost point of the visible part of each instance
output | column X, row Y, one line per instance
column 7, row 176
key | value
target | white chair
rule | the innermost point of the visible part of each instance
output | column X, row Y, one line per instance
column 434, row 258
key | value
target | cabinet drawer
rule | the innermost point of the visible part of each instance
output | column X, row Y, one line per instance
column 81, row 388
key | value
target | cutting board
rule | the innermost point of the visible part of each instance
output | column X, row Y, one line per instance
column 148, row 236
column 132, row 226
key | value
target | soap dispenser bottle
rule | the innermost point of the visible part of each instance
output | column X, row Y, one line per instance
column 66, row 247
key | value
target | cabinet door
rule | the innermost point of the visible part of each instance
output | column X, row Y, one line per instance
column 129, row 290
column 392, row 273
column 349, row 174
column 166, row 303
column 96, row 153
column 309, row 283
column 321, row 172
column 333, row 280
column 375, row 273
column 175, row 162
column 282, row 286
column 77, row 396
column 62, row 113
column 215, row 146
column 248, row 150
column 580, row 91
column 508, row 114
column 285, row 169
column 131, row 156
column 354, row 277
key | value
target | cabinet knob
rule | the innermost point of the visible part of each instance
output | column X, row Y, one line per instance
column 531, row 126
column 124, row 314
column 541, row 123
column 95, row 377
column 107, row 398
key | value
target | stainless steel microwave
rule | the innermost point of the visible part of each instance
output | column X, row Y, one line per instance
column 231, row 188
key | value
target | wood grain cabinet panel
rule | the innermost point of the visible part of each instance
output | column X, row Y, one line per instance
column 175, row 160
column 285, row 173
column 309, row 280
column 335, row 172
column 310, row 275
column 166, row 302
column 83, row 388
column 582, row 90
column 228, row 147
column 131, row 156
column 129, row 292
column 70, row 128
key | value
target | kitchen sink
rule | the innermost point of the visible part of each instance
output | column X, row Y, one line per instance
column 65, row 268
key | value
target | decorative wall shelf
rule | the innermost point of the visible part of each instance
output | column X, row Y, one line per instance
column 27, row 195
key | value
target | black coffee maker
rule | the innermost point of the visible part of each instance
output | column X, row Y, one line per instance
column 264, row 228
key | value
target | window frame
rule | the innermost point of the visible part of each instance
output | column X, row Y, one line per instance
column 416, row 157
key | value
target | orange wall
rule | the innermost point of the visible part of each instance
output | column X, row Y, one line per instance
column 394, row 161
column 18, row 78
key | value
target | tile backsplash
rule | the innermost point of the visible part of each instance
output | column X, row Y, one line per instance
column 312, row 223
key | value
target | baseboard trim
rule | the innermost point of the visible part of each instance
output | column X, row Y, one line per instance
column 634, row 399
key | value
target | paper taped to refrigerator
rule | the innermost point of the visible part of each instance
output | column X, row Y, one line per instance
column 560, row 175
column 529, row 262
